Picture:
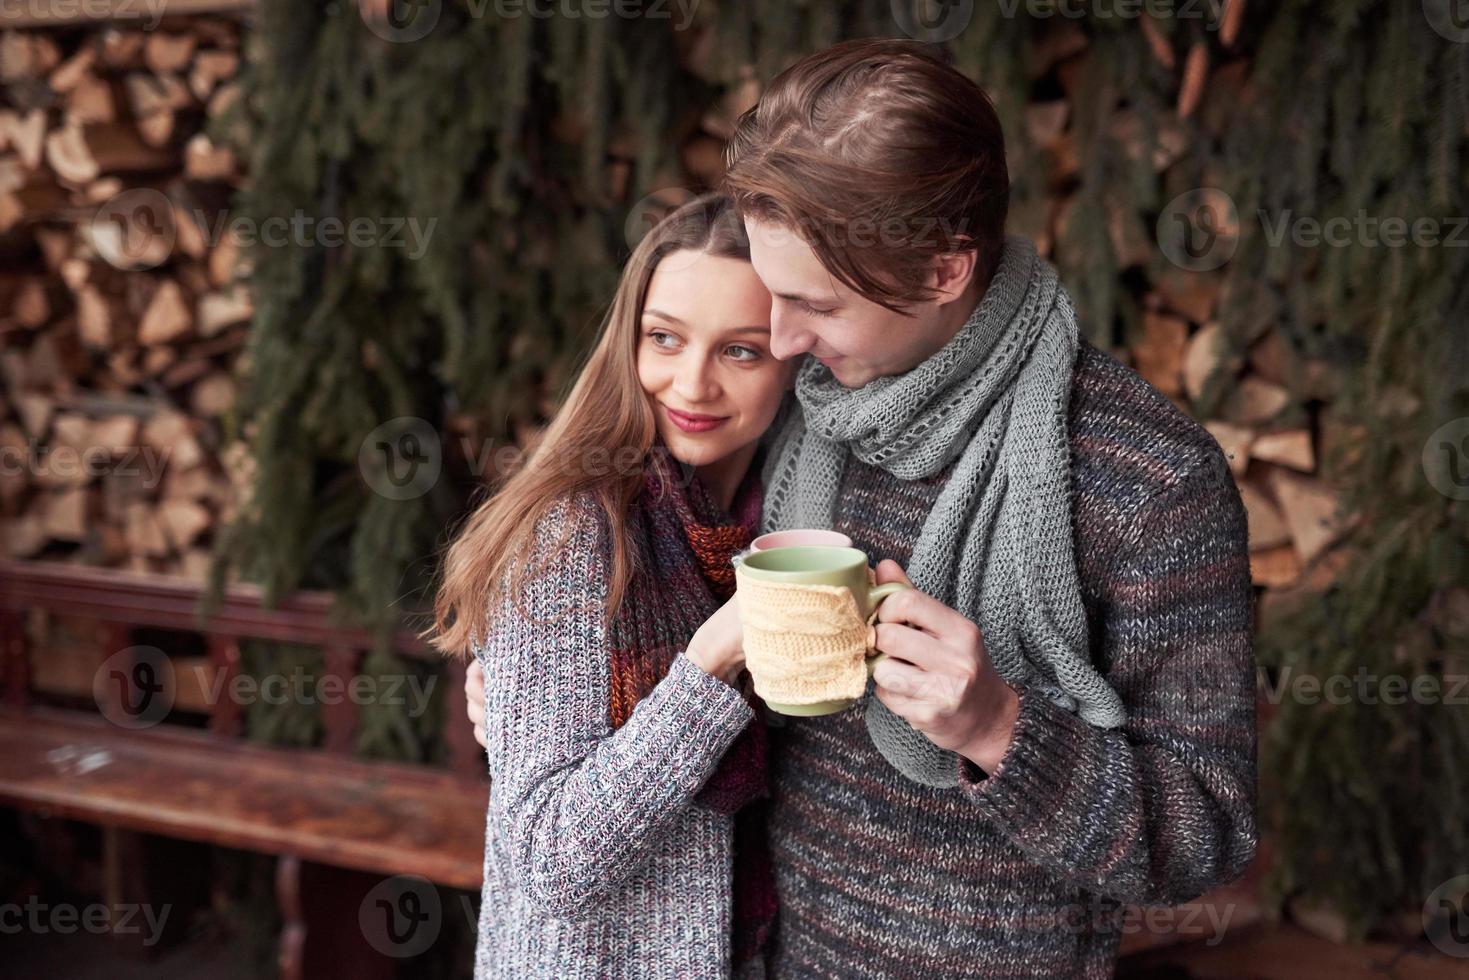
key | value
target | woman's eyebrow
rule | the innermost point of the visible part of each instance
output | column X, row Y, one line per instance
column 649, row 311
column 752, row 328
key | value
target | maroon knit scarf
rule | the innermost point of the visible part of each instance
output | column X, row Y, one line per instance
column 684, row 543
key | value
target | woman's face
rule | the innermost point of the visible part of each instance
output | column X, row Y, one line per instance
column 704, row 356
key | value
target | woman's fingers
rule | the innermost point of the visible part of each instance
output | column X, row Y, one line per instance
column 474, row 700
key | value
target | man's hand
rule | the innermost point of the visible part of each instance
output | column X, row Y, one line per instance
column 474, row 695
column 938, row 677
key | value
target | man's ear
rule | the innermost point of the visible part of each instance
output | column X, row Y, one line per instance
column 952, row 274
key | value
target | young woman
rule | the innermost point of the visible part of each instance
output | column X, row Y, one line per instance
column 625, row 834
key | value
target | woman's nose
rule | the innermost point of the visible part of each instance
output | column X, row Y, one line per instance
column 696, row 383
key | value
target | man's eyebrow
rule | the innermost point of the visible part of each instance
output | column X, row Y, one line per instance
column 803, row 298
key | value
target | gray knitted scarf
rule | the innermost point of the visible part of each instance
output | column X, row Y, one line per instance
column 997, row 545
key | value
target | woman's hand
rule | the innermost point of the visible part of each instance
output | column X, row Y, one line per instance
column 718, row 645
column 474, row 696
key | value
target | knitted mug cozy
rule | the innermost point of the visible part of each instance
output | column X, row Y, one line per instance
column 803, row 643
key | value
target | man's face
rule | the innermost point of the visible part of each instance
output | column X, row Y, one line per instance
column 813, row 312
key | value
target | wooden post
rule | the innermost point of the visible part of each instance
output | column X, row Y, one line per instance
column 339, row 717
column 15, row 656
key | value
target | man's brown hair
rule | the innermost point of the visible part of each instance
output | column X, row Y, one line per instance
column 880, row 156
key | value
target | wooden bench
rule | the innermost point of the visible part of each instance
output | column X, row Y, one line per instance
column 209, row 785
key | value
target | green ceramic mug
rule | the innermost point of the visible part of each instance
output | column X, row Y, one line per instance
column 821, row 565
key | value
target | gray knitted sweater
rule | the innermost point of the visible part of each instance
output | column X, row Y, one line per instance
column 596, row 864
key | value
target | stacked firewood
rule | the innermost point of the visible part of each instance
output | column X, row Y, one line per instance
column 122, row 313
column 122, row 310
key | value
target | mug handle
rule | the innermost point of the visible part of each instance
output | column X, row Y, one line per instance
column 875, row 595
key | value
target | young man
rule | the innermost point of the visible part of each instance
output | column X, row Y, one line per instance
column 1066, row 724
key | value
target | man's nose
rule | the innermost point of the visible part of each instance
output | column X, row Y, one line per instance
column 788, row 339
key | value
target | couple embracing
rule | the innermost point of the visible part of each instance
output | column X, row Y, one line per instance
column 846, row 338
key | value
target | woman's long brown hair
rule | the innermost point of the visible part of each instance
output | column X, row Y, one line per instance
column 606, row 416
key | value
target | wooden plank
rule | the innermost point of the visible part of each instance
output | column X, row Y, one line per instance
column 172, row 602
column 384, row 818
column 60, row 13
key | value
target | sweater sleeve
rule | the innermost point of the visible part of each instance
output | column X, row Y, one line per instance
column 1162, row 808
column 581, row 805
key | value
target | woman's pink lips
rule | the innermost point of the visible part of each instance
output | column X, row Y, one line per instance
column 695, row 423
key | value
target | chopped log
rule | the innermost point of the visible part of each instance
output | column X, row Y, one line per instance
column 55, row 245
column 1310, row 510
column 103, row 189
column 1275, row 568
column 195, row 564
column 35, row 198
column 1158, row 357
column 24, row 536
column 190, row 237
column 94, row 318
column 74, row 70
column 63, row 514
column 27, row 135
column 198, row 483
column 1290, row 448
column 35, row 412
column 122, row 49
column 26, row 56
column 117, row 434
column 172, row 432
column 1270, row 357
column 203, row 160
column 164, row 53
column 145, row 534
column 91, row 101
column 224, row 258
column 156, row 360
column 1190, row 294
column 1234, row 15
column 185, row 372
column 32, row 305
column 1206, row 354
column 156, row 129
column 1045, row 122
column 1195, row 74
column 80, row 154
column 1160, row 46
column 213, row 395
column 211, row 68
column 183, row 521
column 1235, row 441
column 1254, row 401
column 1060, row 41
column 148, row 93
column 1267, row 526
column 168, row 316
column 218, row 311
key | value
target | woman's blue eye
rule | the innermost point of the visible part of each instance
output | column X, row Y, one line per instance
column 743, row 350
column 658, row 336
